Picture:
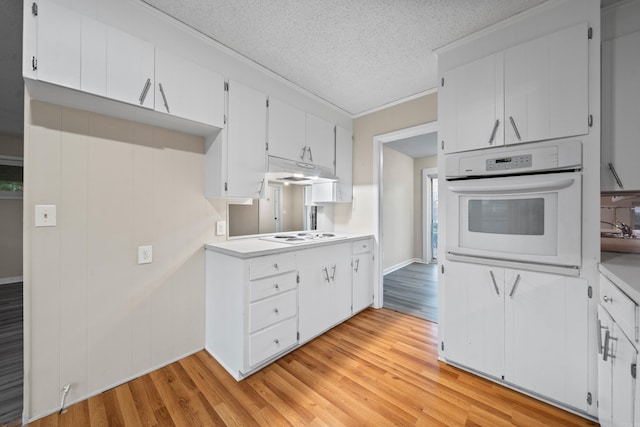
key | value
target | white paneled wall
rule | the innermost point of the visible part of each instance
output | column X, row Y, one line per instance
column 97, row 318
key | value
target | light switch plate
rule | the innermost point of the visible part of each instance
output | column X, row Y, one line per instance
column 45, row 216
column 221, row 228
column 145, row 254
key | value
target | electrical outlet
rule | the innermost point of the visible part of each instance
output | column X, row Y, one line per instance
column 45, row 216
column 145, row 254
column 221, row 228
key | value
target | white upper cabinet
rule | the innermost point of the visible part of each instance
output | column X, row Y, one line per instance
column 287, row 131
column 246, row 136
column 93, row 57
column 534, row 91
column 344, row 165
column 474, row 105
column 130, row 68
column 59, row 30
column 320, row 142
column 187, row 90
column 546, row 87
column 620, row 106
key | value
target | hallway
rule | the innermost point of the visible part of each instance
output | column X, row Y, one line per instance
column 413, row 290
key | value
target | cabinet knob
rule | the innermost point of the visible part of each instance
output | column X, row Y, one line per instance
column 276, row 286
column 277, row 341
column 276, row 266
column 607, row 299
column 276, row 311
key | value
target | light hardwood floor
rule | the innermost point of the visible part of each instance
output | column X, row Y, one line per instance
column 378, row 368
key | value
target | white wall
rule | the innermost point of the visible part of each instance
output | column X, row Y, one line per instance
column 418, row 165
column 397, row 208
column 96, row 318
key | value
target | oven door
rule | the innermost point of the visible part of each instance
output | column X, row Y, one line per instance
column 533, row 218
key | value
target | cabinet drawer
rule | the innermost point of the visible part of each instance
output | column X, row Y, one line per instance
column 622, row 308
column 272, row 310
column 271, row 341
column 274, row 285
column 362, row 246
column 271, row 265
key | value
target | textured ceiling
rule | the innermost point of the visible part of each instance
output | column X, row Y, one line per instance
column 416, row 146
column 356, row 54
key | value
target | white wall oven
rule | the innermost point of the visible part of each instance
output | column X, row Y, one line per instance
column 521, row 204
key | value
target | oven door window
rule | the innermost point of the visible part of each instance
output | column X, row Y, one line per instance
column 523, row 217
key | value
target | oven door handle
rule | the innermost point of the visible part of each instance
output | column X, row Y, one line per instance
column 531, row 187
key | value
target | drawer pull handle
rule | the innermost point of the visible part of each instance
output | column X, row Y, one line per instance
column 600, row 346
column 607, row 338
column 276, row 311
column 276, row 266
column 333, row 273
column 607, row 299
column 277, row 341
column 326, row 274
column 276, row 286
column 357, row 265
column 495, row 285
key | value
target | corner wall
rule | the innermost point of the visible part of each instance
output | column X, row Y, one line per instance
column 95, row 317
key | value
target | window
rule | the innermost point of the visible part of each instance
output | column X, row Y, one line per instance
column 11, row 177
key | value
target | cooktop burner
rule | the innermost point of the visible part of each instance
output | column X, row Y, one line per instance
column 302, row 237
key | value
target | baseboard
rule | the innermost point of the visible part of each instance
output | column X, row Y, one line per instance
column 400, row 265
column 10, row 280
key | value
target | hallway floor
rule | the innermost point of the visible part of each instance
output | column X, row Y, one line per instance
column 11, row 350
column 413, row 290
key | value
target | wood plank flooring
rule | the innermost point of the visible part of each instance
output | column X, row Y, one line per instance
column 379, row 368
column 11, row 352
column 413, row 289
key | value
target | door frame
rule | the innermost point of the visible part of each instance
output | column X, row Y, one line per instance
column 427, row 200
column 378, row 144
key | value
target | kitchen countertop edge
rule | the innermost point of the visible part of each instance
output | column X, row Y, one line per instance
column 623, row 269
column 254, row 247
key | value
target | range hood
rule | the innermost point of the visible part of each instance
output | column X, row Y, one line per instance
column 296, row 172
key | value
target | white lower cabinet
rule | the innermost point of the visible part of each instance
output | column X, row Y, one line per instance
column 523, row 327
column 618, row 393
column 361, row 275
column 325, row 288
column 261, row 307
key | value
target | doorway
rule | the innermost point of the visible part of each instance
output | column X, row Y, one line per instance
column 407, row 270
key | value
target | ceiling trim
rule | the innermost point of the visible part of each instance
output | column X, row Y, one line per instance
column 227, row 50
column 396, row 102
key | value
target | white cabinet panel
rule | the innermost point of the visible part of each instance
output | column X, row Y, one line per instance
column 475, row 93
column 546, row 87
column 320, row 140
column 474, row 316
column 620, row 105
column 362, row 275
column 287, row 131
column 93, row 57
column 59, row 32
column 546, row 349
column 344, row 165
column 246, row 138
column 605, row 411
column 130, row 69
column 325, row 288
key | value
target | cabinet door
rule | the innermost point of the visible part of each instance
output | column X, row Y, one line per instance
column 474, row 316
column 93, row 76
column 287, row 132
column 362, row 281
column 344, row 165
column 620, row 104
column 325, row 288
column 546, row 335
column 321, row 142
column 130, row 69
column 546, row 87
column 605, row 325
column 59, row 33
column 246, row 137
column 168, row 83
column 623, row 356
column 202, row 94
column 475, row 93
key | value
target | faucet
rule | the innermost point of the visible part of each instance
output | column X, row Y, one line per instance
column 624, row 228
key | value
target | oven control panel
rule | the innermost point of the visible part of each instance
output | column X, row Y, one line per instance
column 510, row 162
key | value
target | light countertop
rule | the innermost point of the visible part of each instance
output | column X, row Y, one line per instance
column 253, row 247
column 624, row 270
